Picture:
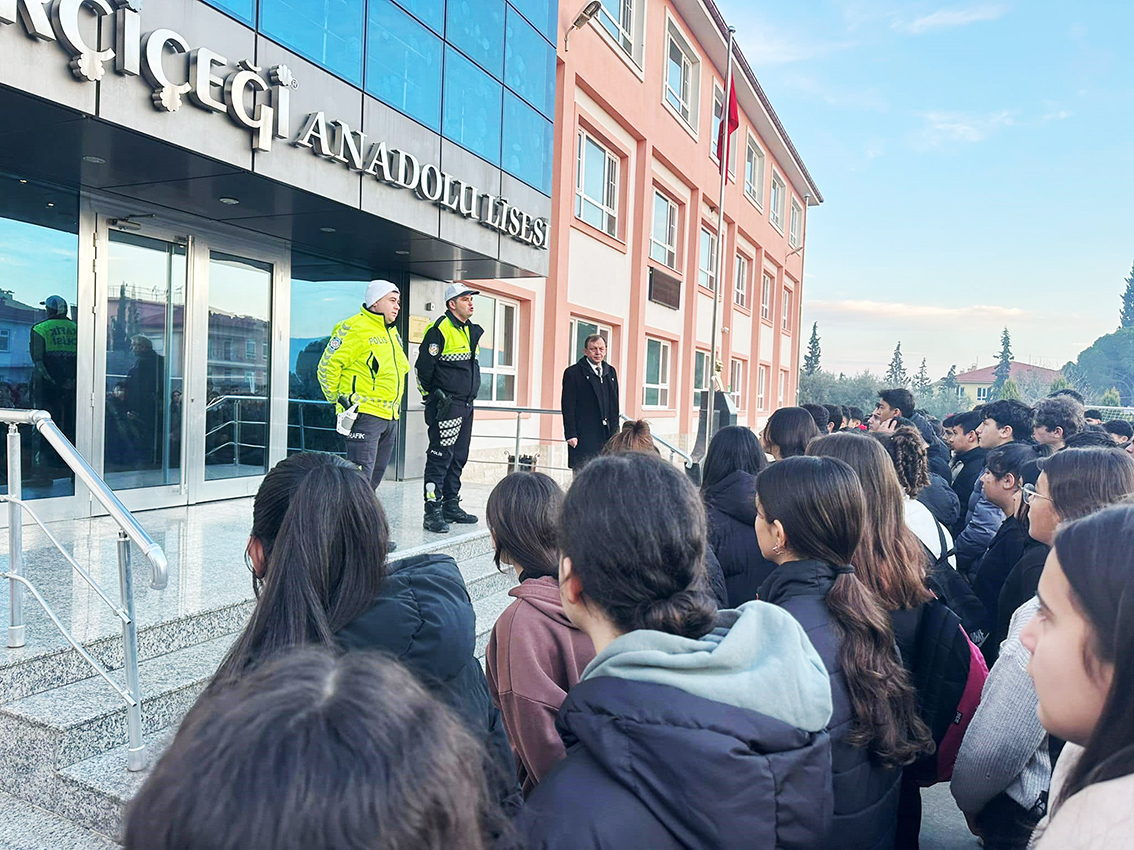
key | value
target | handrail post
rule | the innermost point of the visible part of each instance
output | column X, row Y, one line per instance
column 516, row 458
column 136, row 749
column 17, row 630
column 302, row 430
column 236, row 447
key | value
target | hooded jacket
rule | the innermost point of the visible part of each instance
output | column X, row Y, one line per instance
column 967, row 468
column 535, row 656
column 730, row 505
column 981, row 522
column 423, row 617
column 693, row 744
column 866, row 793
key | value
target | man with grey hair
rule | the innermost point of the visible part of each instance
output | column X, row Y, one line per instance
column 589, row 403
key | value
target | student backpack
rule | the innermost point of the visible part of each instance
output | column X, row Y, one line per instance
column 953, row 589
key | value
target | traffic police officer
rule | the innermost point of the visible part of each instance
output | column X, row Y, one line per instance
column 364, row 368
column 448, row 375
column 54, row 352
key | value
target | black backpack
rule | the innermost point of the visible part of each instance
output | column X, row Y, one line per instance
column 951, row 588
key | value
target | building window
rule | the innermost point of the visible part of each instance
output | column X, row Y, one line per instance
column 656, row 392
column 682, row 77
column 754, row 173
column 5, row 340
column 702, row 376
column 472, row 107
column 707, row 273
column 583, row 328
column 596, row 185
column 500, row 320
column 795, row 229
column 329, row 34
column 476, row 27
column 740, row 285
column 529, row 64
column 779, row 198
column 718, row 111
column 766, row 298
column 528, row 140
column 787, row 311
column 762, row 387
column 617, row 16
column 243, row 9
column 249, row 349
column 663, row 238
column 982, row 393
column 738, row 377
column 544, row 15
column 403, row 64
column 783, row 387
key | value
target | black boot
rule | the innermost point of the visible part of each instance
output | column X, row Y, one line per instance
column 433, row 519
column 453, row 512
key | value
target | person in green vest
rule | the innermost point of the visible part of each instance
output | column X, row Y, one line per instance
column 363, row 373
column 54, row 348
column 448, row 375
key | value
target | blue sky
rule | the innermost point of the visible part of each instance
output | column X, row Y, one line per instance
column 977, row 165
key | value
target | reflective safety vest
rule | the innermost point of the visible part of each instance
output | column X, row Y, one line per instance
column 448, row 359
column 55, row 348
column 365, row 362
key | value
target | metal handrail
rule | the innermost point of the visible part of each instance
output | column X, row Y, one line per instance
column 673, row 450
column 130, row 529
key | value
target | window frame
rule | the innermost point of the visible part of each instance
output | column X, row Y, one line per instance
column 762, row 370
column 795, row 224
column 982, row 393
column 489, row 373
column 708, row 376
column 612, row 162
column 738, row 385
column 786, row 310
column 687, row 110
column 783, row 388
column 673, row 225
column 625, row 38
column 5, row 340
column 740, row 282
column 749, row 185
column 766, row 283
column 703, row 273
column 778, row 210
column 603, row 329
column 663, row 386
column 719, row 100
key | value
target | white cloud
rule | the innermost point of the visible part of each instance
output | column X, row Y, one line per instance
column 949, row 18
column 882, row 310
column 766, row 45
column 856, row 100
column 942, row 129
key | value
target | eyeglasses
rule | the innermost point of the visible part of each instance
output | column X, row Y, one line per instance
column 1031, row 494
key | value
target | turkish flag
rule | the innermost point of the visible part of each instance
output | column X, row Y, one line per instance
column 727, row 128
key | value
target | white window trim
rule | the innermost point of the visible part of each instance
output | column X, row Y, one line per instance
column 782, row 395
column 740, row 283
column 718, row 97
column 490, row 372
column 6, row 338
column 624, row 35
column 708, row 375
column 795, row 238
column 635, row 61
column 573, row 334
column 766, row 303
column 783, row 201
column 787, row 306
column 739, row 393
column 711, row 272
column 613, row 161
column 758, row 199
column 667, row 362
column 762, row 370
column 675, row 227
column 677, row 35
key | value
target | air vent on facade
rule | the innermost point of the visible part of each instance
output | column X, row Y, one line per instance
column 664, row 289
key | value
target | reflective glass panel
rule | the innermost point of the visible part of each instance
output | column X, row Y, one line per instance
column 529, row 68
column 477, row 28
column 403, row 64
column 543, row 14
column 237, row 398
column 328, row 32
column 39, row 266
column 472, row 107
column 145, row 361
column 528, row 141
column 429, row 12
column 243, row 9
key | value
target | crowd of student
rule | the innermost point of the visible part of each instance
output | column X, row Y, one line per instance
column 783, row 658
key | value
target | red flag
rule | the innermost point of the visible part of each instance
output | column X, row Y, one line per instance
column 727, row 128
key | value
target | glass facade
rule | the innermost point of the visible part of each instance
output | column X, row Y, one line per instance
column 480, row 72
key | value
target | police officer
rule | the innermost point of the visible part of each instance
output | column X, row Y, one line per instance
column 448, row 375
column 364, row 364
column 54, row 353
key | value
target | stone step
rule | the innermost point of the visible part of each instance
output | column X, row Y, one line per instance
column 482, row 578
column 488, row 610
column 27, row 827
column 45, row 732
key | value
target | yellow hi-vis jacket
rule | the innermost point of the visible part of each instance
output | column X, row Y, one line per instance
column 364, row 362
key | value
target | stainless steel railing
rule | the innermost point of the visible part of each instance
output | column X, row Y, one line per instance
column 130, row 529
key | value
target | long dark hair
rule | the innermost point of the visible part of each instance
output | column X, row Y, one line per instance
column 1095, row 555
column 634, row 529
column 1081, row 481
column 733, row 448
column 523, row 515
column 889, row 558
column 325, row 538
column 821, row 505
column 316, row 752
column 790, row 429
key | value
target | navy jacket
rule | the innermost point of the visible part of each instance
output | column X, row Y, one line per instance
column 941, row 501
column 730, row 505
column 424, row 618
column 981, row 522
column 967, row 468
column 866, row 793
column 652, row 766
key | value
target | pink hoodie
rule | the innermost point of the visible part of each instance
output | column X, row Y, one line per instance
column 534, row 656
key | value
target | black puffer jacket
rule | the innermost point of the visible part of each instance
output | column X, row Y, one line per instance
column 941, row 501
column 731, row 508
column 423, row 616
column 650, row 766
column 866, row 793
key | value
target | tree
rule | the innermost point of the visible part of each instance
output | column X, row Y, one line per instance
column 1010, row 390
column 1126, row 314
column 1004, row 367
column 1060, row 383
column 1111, row 398
column 949, row 382
column 896, row 375
column 921, row 379
column 811, row 361
column 1108, row 362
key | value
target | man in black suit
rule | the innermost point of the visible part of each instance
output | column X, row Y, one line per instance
column 590, row 403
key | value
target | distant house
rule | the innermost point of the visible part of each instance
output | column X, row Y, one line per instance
column 976, row 384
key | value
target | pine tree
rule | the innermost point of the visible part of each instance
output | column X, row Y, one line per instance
column 949, row 382
column 1004, row 366
column 1126, row 314
column 896, row 375
column 811, row 361
column 1111, row 398
column 1011, row 390
column 921, row 379
column 1060, row 383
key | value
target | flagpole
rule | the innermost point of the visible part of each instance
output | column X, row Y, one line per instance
column 722, row 153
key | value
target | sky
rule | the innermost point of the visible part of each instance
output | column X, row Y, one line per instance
column 977, row 166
